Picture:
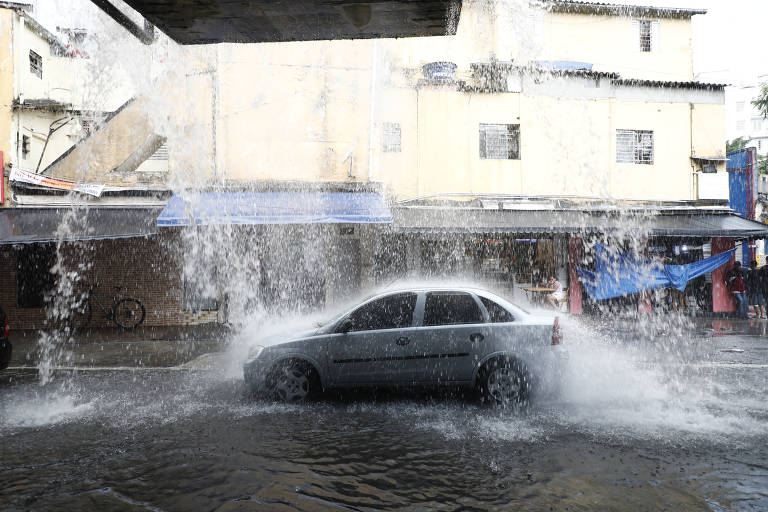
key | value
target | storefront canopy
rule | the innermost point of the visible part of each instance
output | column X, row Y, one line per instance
column 32, row 225
column 685, row 224
column 216, row 208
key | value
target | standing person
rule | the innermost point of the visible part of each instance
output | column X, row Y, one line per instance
column 738, row 289
column 754, row 290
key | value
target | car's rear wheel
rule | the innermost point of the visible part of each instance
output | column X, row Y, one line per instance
column 293, row 382
column 504, row 381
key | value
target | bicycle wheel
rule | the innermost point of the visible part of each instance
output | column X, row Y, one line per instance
column 79, row 317
column 129, row 313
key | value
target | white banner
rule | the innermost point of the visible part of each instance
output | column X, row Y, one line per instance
column 46, row 181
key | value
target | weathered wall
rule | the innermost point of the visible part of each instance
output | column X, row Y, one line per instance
column 147, row 268
column 611, row 44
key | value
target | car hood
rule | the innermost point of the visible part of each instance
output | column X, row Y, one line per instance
column 286, row 337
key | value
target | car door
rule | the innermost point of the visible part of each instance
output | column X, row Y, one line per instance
column 371, row 344
column 452, row 327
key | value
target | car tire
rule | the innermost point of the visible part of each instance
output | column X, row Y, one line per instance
column 293, row 382
column 504, row 381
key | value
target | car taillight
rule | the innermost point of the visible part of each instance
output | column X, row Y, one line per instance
column 557, row 336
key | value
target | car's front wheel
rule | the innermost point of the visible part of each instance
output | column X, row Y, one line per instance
column 504, row 381
column 293, row 381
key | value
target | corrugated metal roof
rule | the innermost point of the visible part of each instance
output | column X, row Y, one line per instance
column 620, row 9
column 499, row 68
column 689, row 224
column 33, row 225
column 661, row 83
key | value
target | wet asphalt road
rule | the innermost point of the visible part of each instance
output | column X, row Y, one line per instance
column 677, row 423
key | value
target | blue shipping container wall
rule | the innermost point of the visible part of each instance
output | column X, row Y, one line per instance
column 742, row 185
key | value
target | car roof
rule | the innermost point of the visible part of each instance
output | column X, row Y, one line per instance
column 421, row 287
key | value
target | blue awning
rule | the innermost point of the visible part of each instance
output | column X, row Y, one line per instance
column 216, row 208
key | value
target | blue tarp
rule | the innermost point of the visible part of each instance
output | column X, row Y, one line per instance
column 617, row 274
column 217, row 208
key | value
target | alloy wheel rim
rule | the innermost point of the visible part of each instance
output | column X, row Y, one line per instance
column 503, row 385
column 292, row 385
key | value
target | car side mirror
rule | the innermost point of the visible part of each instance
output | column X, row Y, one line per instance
column 346, row 325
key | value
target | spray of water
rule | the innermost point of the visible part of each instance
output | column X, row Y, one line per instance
column 626, row 375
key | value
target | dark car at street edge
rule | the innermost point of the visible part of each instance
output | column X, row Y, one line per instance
column 420, row 337
column 6, row 349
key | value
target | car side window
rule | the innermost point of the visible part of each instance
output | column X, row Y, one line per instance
column 451, row 308
column 496, row 313
column 391, row 312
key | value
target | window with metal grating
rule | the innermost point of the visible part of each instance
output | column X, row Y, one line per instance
column 500, row 141
column 634, row 146
column 35, row 64
column 161, row 153
column 391, row 138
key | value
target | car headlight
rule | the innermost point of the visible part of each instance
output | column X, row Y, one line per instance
column 254, row 352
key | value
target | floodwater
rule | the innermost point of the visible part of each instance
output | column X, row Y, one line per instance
column 678, row 423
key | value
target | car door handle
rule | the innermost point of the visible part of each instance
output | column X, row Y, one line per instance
column 402, row 341
column 476, row 336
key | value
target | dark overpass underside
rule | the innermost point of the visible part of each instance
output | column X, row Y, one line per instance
column 261, row 21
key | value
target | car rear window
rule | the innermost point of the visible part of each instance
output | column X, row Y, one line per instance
column 451, row 309
column 496, row 313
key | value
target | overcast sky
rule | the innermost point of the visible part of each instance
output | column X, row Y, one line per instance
column 730, row 42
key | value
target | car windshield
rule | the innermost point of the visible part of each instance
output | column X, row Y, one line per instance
column 332, row 316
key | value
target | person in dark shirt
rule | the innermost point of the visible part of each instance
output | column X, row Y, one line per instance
column 753, row 279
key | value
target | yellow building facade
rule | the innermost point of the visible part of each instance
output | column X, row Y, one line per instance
column 571, row 85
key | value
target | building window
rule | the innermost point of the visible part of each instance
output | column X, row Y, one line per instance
column 740, row 126
column 24, row 146
column 34, row 280
column 35, row 64
column 161, row 154
column 757, row 124
column 391, row 138
column 739, row 106
column 647, row 34
column 86, row 127
column 634, row 146
column 500, row 141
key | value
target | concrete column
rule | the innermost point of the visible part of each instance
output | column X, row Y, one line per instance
column 413, row 255
column 644, row 299
column 722, row 300
column 575, row 254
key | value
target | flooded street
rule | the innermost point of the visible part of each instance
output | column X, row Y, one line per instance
column 636, row 426
column 206, row 205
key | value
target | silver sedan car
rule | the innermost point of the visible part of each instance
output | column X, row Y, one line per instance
column 463, row 337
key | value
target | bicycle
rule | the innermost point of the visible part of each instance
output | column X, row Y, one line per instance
column 126, row 313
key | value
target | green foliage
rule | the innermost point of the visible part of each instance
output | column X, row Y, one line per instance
column 761, row 102
column 735, row 144
column 762, row 164
column 741, row 143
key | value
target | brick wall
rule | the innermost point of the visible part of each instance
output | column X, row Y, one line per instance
column 149, row 269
